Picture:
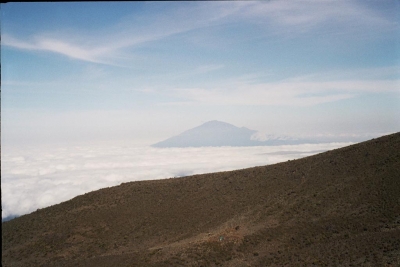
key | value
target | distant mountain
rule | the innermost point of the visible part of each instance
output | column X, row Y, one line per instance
column 212, row 133
column 218, row 133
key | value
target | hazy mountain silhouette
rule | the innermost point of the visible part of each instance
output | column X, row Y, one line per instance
column 337, row 208
column 218, row 133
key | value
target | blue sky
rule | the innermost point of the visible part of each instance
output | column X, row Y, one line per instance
column 144, row 71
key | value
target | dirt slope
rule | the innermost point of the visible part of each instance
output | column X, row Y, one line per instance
column 338, row 208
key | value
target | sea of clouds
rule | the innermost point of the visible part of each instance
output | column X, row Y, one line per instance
column 34, row 178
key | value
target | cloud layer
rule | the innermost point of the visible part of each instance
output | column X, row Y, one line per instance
column 37, row 178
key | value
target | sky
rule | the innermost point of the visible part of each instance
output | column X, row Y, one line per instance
column 145, row 71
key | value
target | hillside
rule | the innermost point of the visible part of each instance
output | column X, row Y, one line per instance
column 338, row 208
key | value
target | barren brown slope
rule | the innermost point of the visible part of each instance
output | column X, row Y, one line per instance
column 339, row 208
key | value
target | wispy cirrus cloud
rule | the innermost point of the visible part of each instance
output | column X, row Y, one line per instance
column 303, row 16
column 110, row 46
column 365, row 74
column 289, row 93
column 59, row 46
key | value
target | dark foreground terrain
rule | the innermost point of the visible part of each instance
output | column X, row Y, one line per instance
column 339, row 208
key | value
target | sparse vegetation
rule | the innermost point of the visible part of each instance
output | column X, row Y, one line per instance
column 339, row 208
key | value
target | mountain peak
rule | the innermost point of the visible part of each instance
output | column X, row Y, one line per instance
column 219, row 125
column 211, row 133
column 216, row 122
column 219, row 133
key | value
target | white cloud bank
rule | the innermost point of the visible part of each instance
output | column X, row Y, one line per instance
column 37, row 178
